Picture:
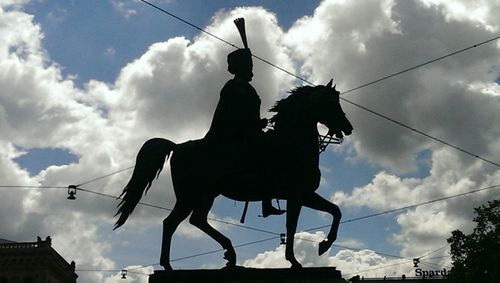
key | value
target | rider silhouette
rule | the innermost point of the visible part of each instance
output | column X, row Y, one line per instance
column 237, row 126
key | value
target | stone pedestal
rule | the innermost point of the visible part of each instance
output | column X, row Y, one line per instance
column 250, row 275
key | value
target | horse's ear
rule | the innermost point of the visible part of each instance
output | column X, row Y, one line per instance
column 329, row 85
column 334, row 87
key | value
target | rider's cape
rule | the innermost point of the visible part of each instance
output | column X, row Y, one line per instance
column 237, row 116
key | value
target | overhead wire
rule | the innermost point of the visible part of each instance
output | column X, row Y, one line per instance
column 412, row 128
column 438, row 257
column 434, row 251
column 427, row 262
column 105, row 176
column 116, row 198
column 60, row 187
column 422, row 64
column 350, row 248
column 421, row 132
column 111, row 271
column 188, row 23
column 362, row 85
column 377, row 252
column 431, row 264
column 31, row 187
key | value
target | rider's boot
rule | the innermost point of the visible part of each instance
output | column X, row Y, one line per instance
column 269, row 209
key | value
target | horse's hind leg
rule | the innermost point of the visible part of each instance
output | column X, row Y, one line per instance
column 317, row 202
column 178, row 214
column 199, row 219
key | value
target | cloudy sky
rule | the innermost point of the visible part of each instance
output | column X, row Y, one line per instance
column 84, row 83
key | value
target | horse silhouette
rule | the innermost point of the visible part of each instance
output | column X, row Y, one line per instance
column 291, row 157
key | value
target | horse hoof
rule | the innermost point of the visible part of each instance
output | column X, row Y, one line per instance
column 323, row 247
column 230, row 256
column 233, row 267
column 296, row 265
column 167, row 267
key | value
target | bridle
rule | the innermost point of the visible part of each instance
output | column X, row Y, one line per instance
column 325, row 140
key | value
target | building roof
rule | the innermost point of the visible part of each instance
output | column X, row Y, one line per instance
column 4, row 241
column 40, row 255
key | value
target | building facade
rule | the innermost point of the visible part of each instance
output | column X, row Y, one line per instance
column 34, row 262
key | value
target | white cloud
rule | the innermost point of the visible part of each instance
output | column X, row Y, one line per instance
column 123, row 7
column 15, row 3
column 483, row 12
column 364, row 262
column 110, row 51
column 172, row 89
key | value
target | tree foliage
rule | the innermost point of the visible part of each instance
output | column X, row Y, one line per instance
column 476, row 257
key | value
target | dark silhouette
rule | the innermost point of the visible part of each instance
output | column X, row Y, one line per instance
column 236, row 129
column 237, row 160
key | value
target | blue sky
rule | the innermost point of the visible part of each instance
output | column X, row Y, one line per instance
column 85, row 83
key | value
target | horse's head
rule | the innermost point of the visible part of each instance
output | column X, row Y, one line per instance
column 326, row 104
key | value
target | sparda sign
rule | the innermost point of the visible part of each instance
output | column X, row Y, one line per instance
column 431, row 273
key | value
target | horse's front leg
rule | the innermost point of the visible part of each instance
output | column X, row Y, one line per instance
column 317, row 202
column 293, row 207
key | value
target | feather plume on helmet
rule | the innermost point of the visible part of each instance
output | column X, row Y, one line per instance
column 240, row 59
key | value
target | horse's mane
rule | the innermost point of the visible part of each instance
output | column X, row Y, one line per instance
column 283, row 107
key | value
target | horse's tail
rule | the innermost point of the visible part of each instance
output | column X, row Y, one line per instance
column 148, row 166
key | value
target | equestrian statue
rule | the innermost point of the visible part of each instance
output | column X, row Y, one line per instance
column 240, row 161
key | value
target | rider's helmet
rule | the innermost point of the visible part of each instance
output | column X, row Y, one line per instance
column 240, row 60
